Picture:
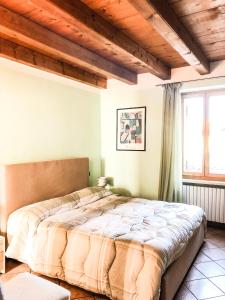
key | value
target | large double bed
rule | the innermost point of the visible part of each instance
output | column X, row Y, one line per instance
column 122, row 247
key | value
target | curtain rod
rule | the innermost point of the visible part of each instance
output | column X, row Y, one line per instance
column 193, row 80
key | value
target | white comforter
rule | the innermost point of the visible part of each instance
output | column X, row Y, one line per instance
column 111, row 245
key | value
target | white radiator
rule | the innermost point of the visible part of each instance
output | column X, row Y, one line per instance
column 210, row 198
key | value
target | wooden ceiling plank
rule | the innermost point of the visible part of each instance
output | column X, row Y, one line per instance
column 160, row 15
column 39, row 61
column 186, row 7
column 206, row 22
column 79, row 16
column 36, row 37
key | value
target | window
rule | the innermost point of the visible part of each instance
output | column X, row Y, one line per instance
column 204, row 135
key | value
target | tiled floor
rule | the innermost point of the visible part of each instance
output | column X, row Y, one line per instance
column 205, row 280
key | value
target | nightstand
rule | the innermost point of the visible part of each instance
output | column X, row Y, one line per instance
column 2, row 254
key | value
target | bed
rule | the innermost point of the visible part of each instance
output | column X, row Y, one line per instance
column 122, row 247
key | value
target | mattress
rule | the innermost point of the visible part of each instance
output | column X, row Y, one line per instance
column 109, row 244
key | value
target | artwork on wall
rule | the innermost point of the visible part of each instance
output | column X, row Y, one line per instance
column 131, row 129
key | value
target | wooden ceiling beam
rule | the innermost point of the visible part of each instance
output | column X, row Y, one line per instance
column 37, row 60
column 78, row 16
column 163, row 19
column 29, row 34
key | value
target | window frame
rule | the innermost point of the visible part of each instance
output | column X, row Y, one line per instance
column 204, row 175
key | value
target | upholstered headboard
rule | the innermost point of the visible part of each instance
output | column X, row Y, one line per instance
column 26, row 183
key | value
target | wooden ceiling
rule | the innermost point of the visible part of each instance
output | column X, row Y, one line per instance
column 93, row 40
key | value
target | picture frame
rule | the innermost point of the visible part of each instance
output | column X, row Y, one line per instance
column 131, row 129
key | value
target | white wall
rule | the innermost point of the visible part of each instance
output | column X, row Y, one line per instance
column 133, row 171
column 138, row 172
column 44, row 117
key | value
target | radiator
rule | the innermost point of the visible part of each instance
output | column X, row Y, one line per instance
column 209, row 197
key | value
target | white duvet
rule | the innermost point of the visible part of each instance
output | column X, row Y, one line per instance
column 105, row 243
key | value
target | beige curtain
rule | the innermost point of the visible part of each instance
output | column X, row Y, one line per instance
column 170, row 187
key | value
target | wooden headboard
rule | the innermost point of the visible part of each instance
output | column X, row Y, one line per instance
column 26, row 183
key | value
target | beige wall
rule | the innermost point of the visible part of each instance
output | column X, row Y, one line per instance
column 134, row 171
column 138, row 172
column 45, row 118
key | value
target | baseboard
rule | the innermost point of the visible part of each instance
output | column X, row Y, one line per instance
column 215, row 224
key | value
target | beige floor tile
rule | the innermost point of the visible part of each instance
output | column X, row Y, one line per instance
column 217, row 298
column 218, row 242
column 203, row 289
column 201, row 258
column 210, row 269
column 208, row 244
column 221, row 263
column 194, row 274
column 184, row 294
column 219, row 282
column 6, row 277
column 13, row 266
column 215, row 254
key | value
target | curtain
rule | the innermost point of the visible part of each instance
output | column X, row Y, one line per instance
column 170, row 186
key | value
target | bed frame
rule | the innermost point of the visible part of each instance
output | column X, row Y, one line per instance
column 23, row 184
column 175, row 274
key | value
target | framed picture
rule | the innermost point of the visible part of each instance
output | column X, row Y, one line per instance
column 131, row 129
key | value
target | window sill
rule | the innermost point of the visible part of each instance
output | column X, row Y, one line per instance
column 206, row 182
